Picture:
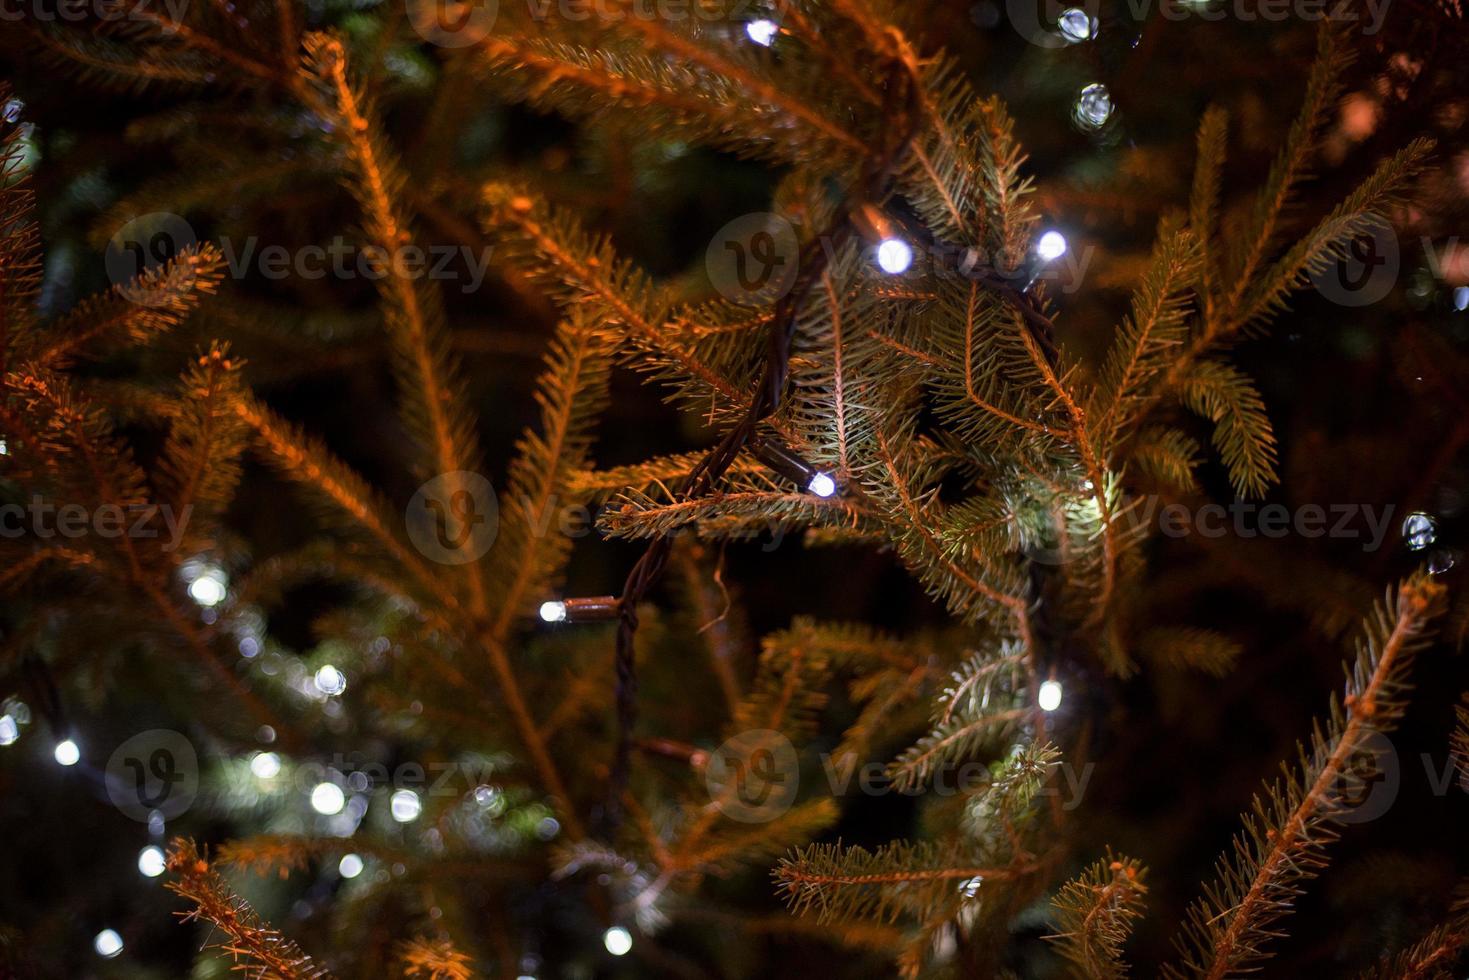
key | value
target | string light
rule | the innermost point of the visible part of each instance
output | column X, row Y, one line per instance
column 762, row 31
column 67, row 753
column 788, row 463
column 265, row 765
column 617, row 940
column 1049, row 696
column 208, row 584
column 1051, row 246
column 1419, row 531
column 328, row 799
column 1077, row 25
column 350, row 866
column 588, row 610
column 9, row 730
column 1093, row 106
column 330, row 681
column 405, row 806
column 1048, row 248
column 151, row 861
column 894, row 256
column 107, row 943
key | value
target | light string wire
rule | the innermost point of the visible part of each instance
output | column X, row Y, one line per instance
column 873, row 184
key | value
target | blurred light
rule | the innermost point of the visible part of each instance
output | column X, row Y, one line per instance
column 1076, row 25
column 405, row 806
column 762, row 31
column 1093, row 106
column 328, row 798
column 553, row 612
column 107, row 943
column 67, row 753
column 350, row 866
column 5, row 448
column 894, row 256
column 1049, row 696
column 969, row 887
column 151, row 861
column 265, row 765
column 1461, row 303
column 9, row 730
column 330, row 681
column 1052, row 246
column 209, row 586
column 822, row 485
column 1419, row 531
column 617, row 940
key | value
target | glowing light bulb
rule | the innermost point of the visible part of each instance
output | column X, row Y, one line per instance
column 553, row 611
column 894, row 256
column 350, row 866
column 330, row 681
column 5, row 447
column 151, row 861
column 1076, row 25
column 107, row 943
column 1093, row 106
column 265, row 765
column 67, row 753
column 1049, row 696
column 1419, row 531
column 762, row 31
column 1052, row 246
column 405, row 806
column 617, row 940
column 1461, row 303
column 328, row 799
column 9, row 730
column 209, row 587
column 822, row 485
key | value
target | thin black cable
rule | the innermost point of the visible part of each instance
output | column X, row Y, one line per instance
column 703, row 478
